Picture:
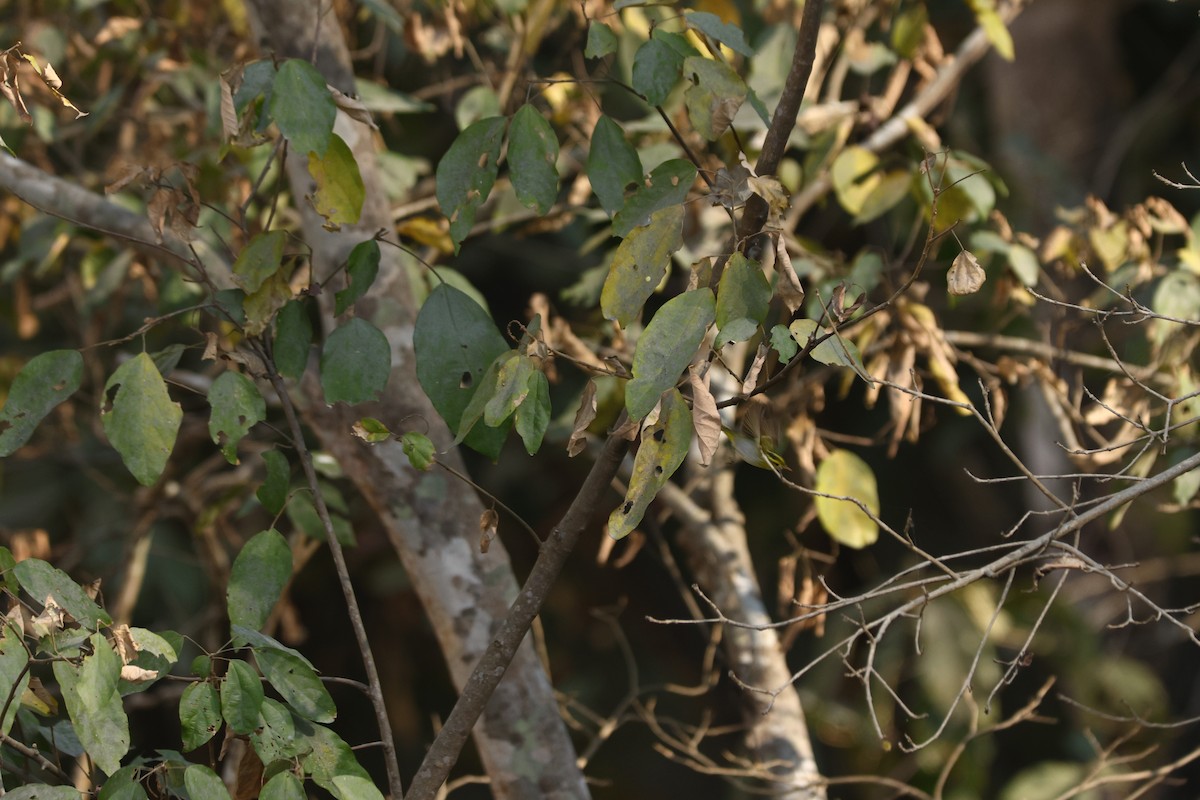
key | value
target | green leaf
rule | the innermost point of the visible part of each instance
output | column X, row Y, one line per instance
column 13, row 660
column 339, row 185
column 123, row 785
column 743, row 298
column 7, row 562
column 1045, row 780
column 666, row 348
column 484, row 393
column 726, row 33
column 259, row 260
column 154, row 653
column 853, row 177
column 884, row 191
column 663, row 448
column 713, row 99
column 466, row 173
column 909, row 30
column 640, row 264
column 40, row 580
column 259, row 574
column 844, row 475
column 204, row 784
column 274, row 737
column 94, row 705
column 237, row 406
column 601, row 41
column 329, row 756
column 303, row 514
column 783, row 343
column 41, row 791
column 656, row 70
column 273, row 492
column 532, row 158
column 355, row 787
column 302, row 107
column 371, row 430
column 249, row 637
column 419, row 449
column 241, row 696
column 297, row 683
column 613, row 164
column 259, row 307
column 533, row 415
column 512, row 387
column 199, row 714
column 355, row 363
column 668, row 185
column 293, row 338
column 284, row 786
column 142, row 421
column 1024, row 264
column 361, row 269
column 44, row 382
column 993, row 27
column 836, row 351
column 455, row 342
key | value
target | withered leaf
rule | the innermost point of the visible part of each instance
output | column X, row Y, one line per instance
column 965, row 275
column 583, row 418
column 489, row 521
column 705, row 419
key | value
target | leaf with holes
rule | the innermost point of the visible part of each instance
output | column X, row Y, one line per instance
column 532, row 159
column 237, row 406
column 361, row 268
column 640, row 264
column 141, row 421
column 340, row 193
column 355, row 363
column 666, row 348
column 455, row 342
column 44, row 382
column 846, row 478
column 664, row 446
column 302, row 107
column 667, row 185
column 467, row 172
column 613, row 164
column 257, row 578
column 199, row 714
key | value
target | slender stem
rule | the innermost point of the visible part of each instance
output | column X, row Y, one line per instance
column 343, row 573
column 444, row 751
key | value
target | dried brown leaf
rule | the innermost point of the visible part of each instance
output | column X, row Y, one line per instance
column 135, row 674
column 751, row 380
column 706, row 421
column 788, row 286
column 965, row 275
column 583, row 418
column 353, row 107
column 489, row 521
column 123, row 643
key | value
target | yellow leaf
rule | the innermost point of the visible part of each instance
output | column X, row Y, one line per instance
column 845, row 478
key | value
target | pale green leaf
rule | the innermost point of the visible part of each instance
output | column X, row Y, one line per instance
column 713, row 99
column 993, row 27
column 613, row 164
column 668, row 185
column 885, row 191
column 293, row 339
column 258, row 576
column 666, row 348
column 726, row 33
column 199, row 714
column 297, row 683
column 836, row 351
column 783, row 343
column 328, row 757
column 13, row 661
column 467, row 172
column 533, row 415
column 1024, row 263
column 640, row 264
column 532, row 157
column 283, row 786
column 141, row 421
column 355, row 787
column 259, row 307
column 361, row 268
column 339, row 185
column 844, row 475
column 908, row 31
column 743, row 297
column 419, row 449
column 44, row 382
column 663, row 448
column 94, row 705
column 853, row 177
column 241, row 697
column 41, row 791
column 40, row 580
column 512, row 387
column 204, row 784
column 302, row 107
column 123, row 785
column 259, row 260
column 1045, row 780
column 237, row 406
column 456, row 342
column 355, row 363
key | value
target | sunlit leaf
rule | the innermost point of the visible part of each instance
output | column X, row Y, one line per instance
column 44, row 382
column 726, row 33
column 297, row 683
column 339, row 191
column 668, row 184
column 140, row 419
column 783, row 343
column 302, row 107
column 355, row 363
column 259, row 573
column 663, row 448
column 361, row 268
column 260, row 307
column 283, row 786
column 355, row 787
column 204, row 784
column 743, row 298
column 532, row 157
column 41, row 580
column 533, row 415
column 666, row 347
column 844, row 475
column 237, row 406
column 908, row 31
column 419, row 449
column 455, row 342
column 1024, row 264
column 640, row 264
column 328, row 757
column 706, row 421
column 14, row 675
column 613, row 164
column 467, row 172
column 836, row 351
column 993, row 27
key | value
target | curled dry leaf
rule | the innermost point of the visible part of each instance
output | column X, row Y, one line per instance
column 353, row 107
column 489, row 521
column 123, row 643
column 583, row 418
column 751, row 380
column 705, row 419
column 788, row 286
column 137, row 674
column 965, row 275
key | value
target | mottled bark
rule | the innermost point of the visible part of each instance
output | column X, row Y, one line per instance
column 430, row 518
